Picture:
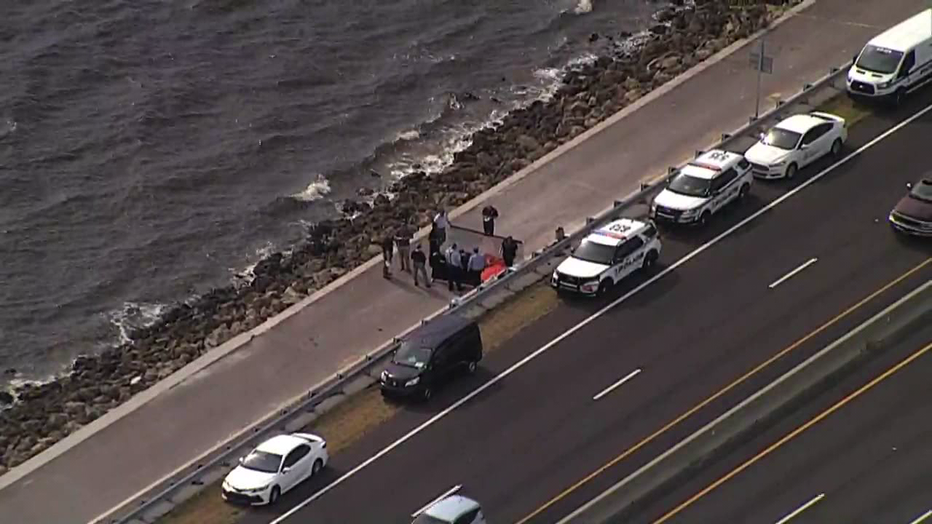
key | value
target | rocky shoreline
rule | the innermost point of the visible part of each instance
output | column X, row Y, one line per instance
column 38, row 415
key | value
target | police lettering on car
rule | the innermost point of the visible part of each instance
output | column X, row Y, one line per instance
column 607, row 255
column 702, row 187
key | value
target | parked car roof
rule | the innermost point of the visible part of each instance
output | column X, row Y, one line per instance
column 452, row 507
column 437, row 330
column 281, row 444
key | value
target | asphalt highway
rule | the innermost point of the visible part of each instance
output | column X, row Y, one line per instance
column 862, row 453
column 713, row 328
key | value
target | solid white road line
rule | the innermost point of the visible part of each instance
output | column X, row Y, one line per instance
column 923, row 517
column 815, row 500
column 791, row 274
column 546, row 347
column 446, row 494
column 609, row 389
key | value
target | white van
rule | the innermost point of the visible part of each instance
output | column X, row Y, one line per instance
column 896, row 62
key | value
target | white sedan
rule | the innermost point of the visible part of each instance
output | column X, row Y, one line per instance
column 796, row 142
column 274, row 467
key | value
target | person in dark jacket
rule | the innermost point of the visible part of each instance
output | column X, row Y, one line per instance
column 489, row 214
column 509, row 251
column 388, row 246
column 435, row 239
column 419, row 261
column 438, row 267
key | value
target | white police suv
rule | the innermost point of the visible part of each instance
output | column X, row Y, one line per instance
column 607, row 255
column 702, row 187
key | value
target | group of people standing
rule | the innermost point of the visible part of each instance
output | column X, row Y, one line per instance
column 455, row 264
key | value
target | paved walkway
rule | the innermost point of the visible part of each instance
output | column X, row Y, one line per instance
column 187, row 420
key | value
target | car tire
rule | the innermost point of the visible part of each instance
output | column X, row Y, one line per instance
column 836, row 148
column 791, row 171
column 318, row 465
column 704, row 218
column 273, row 496
column 605, row 286
column 650, row 259
column 472, row 366
column 743, row 192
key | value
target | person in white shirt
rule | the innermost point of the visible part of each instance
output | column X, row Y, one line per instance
column 454, row 267
column 453, row 256
column 476, row 265
column 441, row 223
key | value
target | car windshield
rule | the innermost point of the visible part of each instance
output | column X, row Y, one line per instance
column 424, row 518
column 690, row 185
column 412, row 355
column 593, row 252
column 262, row 461
column 922, row 190
column 879, row 59
column 781, row 138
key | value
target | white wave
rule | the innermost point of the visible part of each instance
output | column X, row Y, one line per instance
column 135, row 315
column 583, row 7
column 411, row 134
column 247, row 274
column 314, row 191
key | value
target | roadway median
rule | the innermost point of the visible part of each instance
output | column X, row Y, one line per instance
column 815, row 375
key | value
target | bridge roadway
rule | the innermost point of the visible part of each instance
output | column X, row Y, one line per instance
column 868, row 460
column 717, row 326
column 190, row 417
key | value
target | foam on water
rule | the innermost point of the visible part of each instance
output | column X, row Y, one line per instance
column 316, row 190
column 134, row 315
column 583, row 7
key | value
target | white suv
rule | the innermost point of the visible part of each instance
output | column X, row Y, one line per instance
column 702, row 187
column 607, row 255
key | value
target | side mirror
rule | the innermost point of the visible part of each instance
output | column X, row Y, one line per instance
column 803, row 147
column 285, row 469
column 241, row 460
column 909, row 185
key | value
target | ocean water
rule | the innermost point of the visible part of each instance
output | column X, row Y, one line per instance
column 149, row 150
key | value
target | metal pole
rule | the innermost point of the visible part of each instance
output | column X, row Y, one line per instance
column 760, row 71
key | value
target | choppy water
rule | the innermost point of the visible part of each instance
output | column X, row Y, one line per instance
column 148, row 148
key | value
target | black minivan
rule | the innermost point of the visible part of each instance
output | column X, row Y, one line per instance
column 430, row 355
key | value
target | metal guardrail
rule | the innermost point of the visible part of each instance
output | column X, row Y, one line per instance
column 212, row 465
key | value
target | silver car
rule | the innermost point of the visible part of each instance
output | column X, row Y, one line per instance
column 455, row 509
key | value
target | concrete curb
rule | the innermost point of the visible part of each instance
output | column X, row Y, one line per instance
column 757, row 411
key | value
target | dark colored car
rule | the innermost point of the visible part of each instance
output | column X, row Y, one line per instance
column 431, row 355
column 913, row 213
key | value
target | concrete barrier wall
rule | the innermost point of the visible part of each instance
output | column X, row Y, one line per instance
column 759, row 410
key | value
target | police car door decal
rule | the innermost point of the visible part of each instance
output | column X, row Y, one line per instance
column 631, row 260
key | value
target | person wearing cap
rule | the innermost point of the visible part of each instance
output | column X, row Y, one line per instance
column 419, row 261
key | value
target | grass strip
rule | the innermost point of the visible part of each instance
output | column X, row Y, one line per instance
column 351, row 420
